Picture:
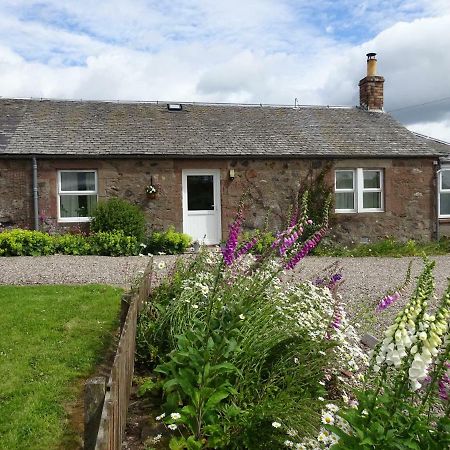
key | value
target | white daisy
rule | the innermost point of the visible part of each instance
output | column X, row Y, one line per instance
column 327, row 418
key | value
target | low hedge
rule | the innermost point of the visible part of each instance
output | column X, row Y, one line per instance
column 170, row 242
column 35, row 243
column 18, row 242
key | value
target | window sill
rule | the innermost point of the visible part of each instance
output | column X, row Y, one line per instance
column 74, row 220
column 360, row 212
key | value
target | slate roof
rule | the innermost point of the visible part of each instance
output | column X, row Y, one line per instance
column 54, row 128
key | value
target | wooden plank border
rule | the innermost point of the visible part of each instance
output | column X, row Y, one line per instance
column 115, row 406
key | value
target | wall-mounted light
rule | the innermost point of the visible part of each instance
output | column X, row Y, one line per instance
column 232, row 174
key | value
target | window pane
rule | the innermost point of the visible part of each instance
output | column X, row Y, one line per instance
column 445, row 204
column 371, row 179
column 200, row 191
column 345, row 200
column 77, row 181
column 77, row 205
column 372, row 200
column 445, row 179
column 344, row 179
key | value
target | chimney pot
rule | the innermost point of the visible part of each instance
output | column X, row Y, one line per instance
column 371, row 64
column 371, row 87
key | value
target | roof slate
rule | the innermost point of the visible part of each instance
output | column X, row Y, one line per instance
column 107, row 129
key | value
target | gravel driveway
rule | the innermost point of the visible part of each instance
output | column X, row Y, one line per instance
column 61, row 269
column 366, row 279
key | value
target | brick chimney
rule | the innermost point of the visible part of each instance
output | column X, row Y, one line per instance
column 371, row 87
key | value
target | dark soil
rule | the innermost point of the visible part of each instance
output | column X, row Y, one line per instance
column 142, row 428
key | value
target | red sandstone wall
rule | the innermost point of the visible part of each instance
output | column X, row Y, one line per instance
column 272, row 185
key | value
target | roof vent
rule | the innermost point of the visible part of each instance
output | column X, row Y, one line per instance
column 174, row 106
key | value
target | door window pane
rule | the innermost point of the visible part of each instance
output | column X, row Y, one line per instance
column 200, row 192
column 445, row 179
column 77, row 205
column 372, row 200
column 445, row 204
column 371, row 179
column 77, row 181
column 344, row 179
column 345, row 200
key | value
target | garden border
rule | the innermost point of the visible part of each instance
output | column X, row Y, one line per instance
column 115, row 395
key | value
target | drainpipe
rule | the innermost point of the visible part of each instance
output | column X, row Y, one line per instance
column 35, row 194
column 437, row 205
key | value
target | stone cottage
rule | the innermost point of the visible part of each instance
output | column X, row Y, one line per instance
column 59, row 158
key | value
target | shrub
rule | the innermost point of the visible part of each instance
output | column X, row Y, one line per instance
column 117, row 214
column 265, row 240
column 25, row 242
column 115, row 243
column 170, row 242
column 72, row 244
column 384, row 247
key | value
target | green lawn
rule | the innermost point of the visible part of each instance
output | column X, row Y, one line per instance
column 50, row 337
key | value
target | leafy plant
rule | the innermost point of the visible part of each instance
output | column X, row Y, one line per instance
column 384, row 247
column 72, row 244
column 238, row 350
column 113, row 244
column 118, row 215
column 401, row 406
column 25, row 242
column 264, row 241
column 170, row 242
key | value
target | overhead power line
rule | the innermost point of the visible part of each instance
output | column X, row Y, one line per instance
column 420, row 104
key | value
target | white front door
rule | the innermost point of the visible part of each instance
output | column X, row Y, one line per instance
column 201, row 205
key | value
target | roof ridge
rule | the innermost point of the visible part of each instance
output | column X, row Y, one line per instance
column 193, row 103
column 440, row 141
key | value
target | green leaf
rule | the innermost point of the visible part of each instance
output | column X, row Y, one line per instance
column 193, row 444
column 210, row 344
column 146, row 387
column 189, row 411
column 177, row 443
column 225, row 367
column 170, row 384
column 216, row 398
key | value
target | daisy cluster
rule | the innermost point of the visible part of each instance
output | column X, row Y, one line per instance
column 313, row 309
column 325, row 439
column 309, row 306
column 195, row 290
column 348, row 351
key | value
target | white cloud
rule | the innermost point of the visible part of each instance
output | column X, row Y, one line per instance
column 257, row 51
column 437, row 130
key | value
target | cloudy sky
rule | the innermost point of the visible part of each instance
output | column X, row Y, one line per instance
column 246, row 51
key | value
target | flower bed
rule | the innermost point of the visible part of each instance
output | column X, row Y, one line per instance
column 245, row 360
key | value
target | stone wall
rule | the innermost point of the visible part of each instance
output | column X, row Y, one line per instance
column 16, row 198
column 409, row 203
column 272, row 185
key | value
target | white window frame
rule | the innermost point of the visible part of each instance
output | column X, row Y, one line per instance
column 346, row 191
column 442, row 191
column 359, row 190
column 62, row 193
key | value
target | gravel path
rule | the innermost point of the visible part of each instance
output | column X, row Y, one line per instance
column 60, row 269
column 366, row 279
